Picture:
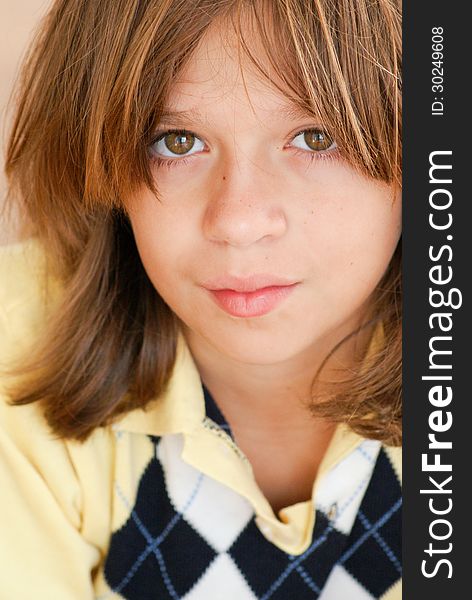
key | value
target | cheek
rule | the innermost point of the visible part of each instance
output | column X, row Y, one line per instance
column 352, row 237
column 161, row 237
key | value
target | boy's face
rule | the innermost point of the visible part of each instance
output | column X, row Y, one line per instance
column 265, row 242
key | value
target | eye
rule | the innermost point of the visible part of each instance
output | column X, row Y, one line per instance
column 313, row 140
column 177, row 143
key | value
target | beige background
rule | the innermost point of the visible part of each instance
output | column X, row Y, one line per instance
column 18, row 19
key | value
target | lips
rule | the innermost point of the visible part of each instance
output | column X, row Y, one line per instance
column 252, row 296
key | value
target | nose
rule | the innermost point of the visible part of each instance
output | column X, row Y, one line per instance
column 244, row 208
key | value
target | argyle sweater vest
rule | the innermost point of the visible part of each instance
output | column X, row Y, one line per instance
column 187, row 538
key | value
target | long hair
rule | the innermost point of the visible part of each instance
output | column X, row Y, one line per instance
column 92, row 91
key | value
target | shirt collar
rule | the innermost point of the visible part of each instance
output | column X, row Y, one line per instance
column 181, row 408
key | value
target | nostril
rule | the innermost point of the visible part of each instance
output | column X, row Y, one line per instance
column 240, row 212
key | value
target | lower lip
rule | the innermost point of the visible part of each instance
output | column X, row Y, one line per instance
column 252, row 304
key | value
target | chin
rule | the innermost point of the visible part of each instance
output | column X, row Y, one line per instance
column 255, row 348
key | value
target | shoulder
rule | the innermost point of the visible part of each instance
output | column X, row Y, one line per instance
column 57, row 493
column 20, row 266
column 33, row 462
column 27, row 293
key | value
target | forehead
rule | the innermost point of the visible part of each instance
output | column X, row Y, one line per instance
column 219, row 74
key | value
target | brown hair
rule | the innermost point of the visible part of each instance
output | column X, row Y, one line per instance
column 92, row 91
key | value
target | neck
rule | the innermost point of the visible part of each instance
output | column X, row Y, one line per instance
column 276, row 395
column 266, row 409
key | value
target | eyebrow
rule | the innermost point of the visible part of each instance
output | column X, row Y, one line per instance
column 182, row 117
column 291, row 112
column 294, row 112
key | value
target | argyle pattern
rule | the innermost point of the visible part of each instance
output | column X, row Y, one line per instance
column 191, row 538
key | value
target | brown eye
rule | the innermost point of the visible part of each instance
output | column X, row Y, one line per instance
column 316, row 139
column 179, row 142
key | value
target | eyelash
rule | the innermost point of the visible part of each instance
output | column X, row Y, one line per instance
column 328, row 155
column 169, row 163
